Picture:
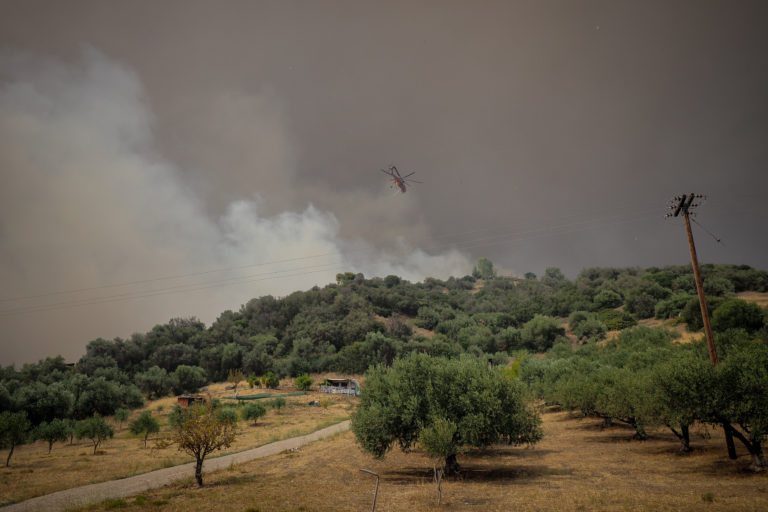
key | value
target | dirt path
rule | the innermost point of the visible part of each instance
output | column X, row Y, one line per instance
column 94, row 493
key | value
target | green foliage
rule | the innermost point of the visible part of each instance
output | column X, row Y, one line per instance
column 438, row 438
column 145, row 424
column 738, row 314
column 509, row 339
column 335, row 328
column 98, row 396
column 616, row 320
column 303, row 382
column 14, row 430
column 187, row 379
column 484, row 269
column 45, row 402
column 95, row 429
column 176, row 415
column 277, row 403
column 587, row 326
column 641, row 300
column 57, row 430
column 254, row 381
column 717, row 285
column 120, row 416
column 691, row 312
column 671, row 307
column 227, row 413
column 155, row 382
column 541, row 332
column 253, row 411
column 270, row 380
column 396, row 327
column 741, row 396
column 399, row 402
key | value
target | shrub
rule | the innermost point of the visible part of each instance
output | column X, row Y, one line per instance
column 738, row 314
column 304, row 382
column 607, row 299
column 270, row 380
column 616, row 320
column 227, row 414
column 277, row 403
column 253, row 411
column 541, row 332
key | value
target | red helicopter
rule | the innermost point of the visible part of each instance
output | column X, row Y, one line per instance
column 397, row 179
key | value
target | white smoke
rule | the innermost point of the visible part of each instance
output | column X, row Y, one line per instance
column 88, row 202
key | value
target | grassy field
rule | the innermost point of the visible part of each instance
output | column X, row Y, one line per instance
column 34, row 472
column 578, row 466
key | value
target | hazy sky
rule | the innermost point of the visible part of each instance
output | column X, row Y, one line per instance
column 177, row 158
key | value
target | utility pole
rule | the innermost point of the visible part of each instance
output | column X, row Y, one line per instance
column 684, row 205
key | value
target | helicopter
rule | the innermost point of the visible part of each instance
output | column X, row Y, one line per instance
column 397, row 179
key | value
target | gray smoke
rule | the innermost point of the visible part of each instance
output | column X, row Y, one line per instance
column 101, row 236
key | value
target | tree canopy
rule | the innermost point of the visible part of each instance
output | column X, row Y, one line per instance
column 420, row 394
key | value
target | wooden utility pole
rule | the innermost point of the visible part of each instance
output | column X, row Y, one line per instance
column 684, row 205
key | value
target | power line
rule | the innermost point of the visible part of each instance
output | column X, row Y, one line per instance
column 176, row 289
column 708, row 231
column 162, row 278
column 513, row 236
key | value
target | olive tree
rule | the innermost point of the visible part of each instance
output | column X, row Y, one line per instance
column 14, row 427
column 56, row 430
column 199, row 432
column 145, row 424
column 681, row 384
column 741, row 398
column 95, row 429
column 420, row 393
column 254, row 411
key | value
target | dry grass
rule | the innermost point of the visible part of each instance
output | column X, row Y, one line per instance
column 578, row 466
column 759, row 298
column 33, row 472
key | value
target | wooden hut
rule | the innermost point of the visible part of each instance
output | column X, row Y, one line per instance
column 187, row 400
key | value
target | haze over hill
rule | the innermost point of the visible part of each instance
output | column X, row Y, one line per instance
column 239, row 146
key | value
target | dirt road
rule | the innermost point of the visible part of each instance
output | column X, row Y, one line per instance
column 94, row 493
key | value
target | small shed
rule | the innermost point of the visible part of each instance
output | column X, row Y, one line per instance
column 341, row 387
column 187, row 400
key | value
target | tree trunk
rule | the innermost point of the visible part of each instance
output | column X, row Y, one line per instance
column 685, row 439
column 758, row 459
column 50, row 445
column 730, row 445
column 684, row 436
column 640, row 433
column 755, row 449
column 451, row 465
column 8, row 460
column 199, row 471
